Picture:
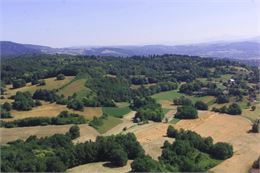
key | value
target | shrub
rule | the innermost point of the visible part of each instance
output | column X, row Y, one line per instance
column 256, row 163
column 60, row 77
column 182, row 101
column 38, row 103
column 186, row 112
column 5, row 114
column 234, row 109
column 256, row 126
column 222, row 99
column 7, row 106
column 222, row 150
column 19, row 83
column 74, row 132
column 41, row 82
column 200, row 105
column 172, row 132
column 253, row 108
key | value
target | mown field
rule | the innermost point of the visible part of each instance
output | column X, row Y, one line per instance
column 51, row 83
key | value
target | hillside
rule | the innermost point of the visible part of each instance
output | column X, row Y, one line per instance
column 243, row 50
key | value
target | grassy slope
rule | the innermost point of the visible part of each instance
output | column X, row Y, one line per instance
column 115, row 111
column 170, row 95
column 108, row 124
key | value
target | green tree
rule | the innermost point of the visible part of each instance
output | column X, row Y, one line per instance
column 118, row 157
column 186, row 112
column 60, row 77
column 145, row 164
column 74, row 132
column 234, row 109
column 172, row 132
column 23, row 101
column 253, row 108
column 7, row 106
column 200, row 105
column 222, row 150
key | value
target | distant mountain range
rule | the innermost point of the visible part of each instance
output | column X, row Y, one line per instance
column 246, row 49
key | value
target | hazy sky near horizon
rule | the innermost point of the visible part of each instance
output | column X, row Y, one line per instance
column 61, row 23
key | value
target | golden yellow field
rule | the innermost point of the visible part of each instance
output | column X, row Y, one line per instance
column 51, row 83
column 52, row 110
column 100, row 167
column 232, row 129
column 11, row 134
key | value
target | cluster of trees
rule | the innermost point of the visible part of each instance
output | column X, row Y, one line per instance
column 63, row 118
column 222, row 99
column 186, row 112
column 182, row 101
column 233, row 109
column 188, row 153
column 46, row 95
column 57, row 153
column 18, row 83
column 5, row 110
column 147, row 109
column 23, row 101
column 153, row 89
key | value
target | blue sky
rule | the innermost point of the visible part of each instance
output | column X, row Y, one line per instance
column 60, row 23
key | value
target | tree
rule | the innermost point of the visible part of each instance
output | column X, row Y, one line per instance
column 182, row 101
column 256, row 126
column 222, row 99
column 23, row 101
column 7, row 106
column 118, row 157
column 74, row 132
column 171, row 132
column 234, row 109
column 200, row 105
column 19, row 83
column 145, row 164
column 54, row 164
column 76, row 105
column 186, row 112
column 222, row 150
column 41, row 82
column 253, row 108
column 60, row 77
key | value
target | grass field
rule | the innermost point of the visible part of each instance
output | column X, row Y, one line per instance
column 252, row 115
column 51, row 83
column 52, row 110
column 108, row 124
column 74, row 87
column 174, row 120
column 115, row 111
column 170, row 95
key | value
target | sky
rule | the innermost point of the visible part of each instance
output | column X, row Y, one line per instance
column 65, row 23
